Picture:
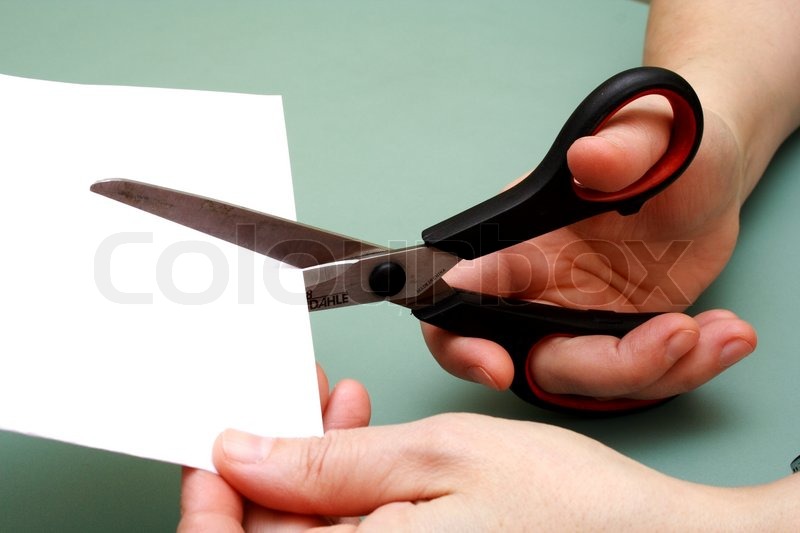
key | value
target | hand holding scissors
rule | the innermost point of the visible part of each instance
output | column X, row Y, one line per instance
column 343, row 271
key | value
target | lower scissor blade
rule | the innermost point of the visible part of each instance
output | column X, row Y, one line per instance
column 285, row 240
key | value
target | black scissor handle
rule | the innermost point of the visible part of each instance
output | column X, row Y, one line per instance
column 518, row 326
column 549, row 198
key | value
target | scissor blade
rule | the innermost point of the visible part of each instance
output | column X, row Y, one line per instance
column 416, row 274
column 285, row 240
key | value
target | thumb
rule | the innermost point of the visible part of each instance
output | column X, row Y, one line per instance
column 345, row 473
column 624, row 148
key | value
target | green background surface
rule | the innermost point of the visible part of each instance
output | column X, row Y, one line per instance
column 399, row 114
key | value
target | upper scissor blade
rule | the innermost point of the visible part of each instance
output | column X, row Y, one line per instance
column 285, row 240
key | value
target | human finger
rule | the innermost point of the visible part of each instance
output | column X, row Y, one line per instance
column 724, row 341
column 344, row 473
column 625, row 148
column 607, row 367
column 348, row 407
column 666, row 356
column 324, row 388
column 208, row 503
column 473, row 359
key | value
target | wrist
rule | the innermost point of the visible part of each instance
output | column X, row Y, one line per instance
column 773, row 507
column 707, row 508
column 750, row 127
column 769, row 507
column 743, row 59
column 731, row 125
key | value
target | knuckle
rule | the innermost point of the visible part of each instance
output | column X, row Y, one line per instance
column 445, row 440
column 634, row 372
column 316, row 460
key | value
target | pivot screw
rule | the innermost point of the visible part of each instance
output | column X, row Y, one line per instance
column 387, row 279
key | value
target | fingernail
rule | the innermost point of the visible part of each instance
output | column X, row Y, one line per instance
column 734, row 351
column 243, row 447
column 479, row 375
column 681, row 342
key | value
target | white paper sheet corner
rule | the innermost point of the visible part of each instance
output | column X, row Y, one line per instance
column 133, row 334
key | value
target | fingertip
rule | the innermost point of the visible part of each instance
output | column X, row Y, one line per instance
column 738, row 338
column 479, row 375
column 734, row 351
column 680, row 343
column 713, row 315
column 349, row 406
column 659, row 344
column 470, row 358
column 724, row 340
column 353, row 388
column 498, row 379
column 599, row 164
column 733, row 324
column 481, row 361
column 324, row 388
column 735, row 338
column 668, row 323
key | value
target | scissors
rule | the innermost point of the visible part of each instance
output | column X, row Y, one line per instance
column 339, row 271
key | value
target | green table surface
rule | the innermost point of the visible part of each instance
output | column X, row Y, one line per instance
column 398, row 114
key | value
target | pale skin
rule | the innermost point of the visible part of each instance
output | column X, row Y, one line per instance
column 456, row 472
column 210, row 504
column 471, row 473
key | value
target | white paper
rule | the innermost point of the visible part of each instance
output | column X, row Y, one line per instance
column 126, row 332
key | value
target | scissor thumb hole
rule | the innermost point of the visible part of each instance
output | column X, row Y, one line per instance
column 603, row 366
column 624, row 148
